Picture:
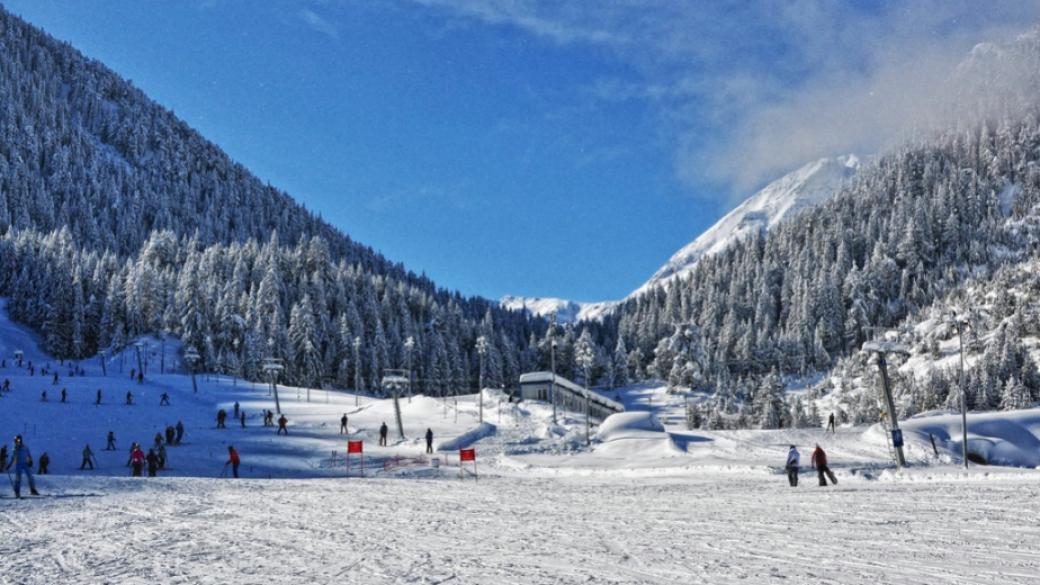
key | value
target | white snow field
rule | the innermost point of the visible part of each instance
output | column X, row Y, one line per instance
column 648, row 502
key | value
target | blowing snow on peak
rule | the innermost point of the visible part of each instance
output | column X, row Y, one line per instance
column 808, row 186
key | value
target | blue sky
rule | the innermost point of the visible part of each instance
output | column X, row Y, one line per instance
column 521, row 147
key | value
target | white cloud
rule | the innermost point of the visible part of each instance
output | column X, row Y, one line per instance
column 319, row 24
column 747, row 91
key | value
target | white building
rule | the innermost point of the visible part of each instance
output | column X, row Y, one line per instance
column 569, row 396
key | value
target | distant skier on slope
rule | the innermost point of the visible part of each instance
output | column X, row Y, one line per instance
column 111, row 445
column 830, row 423
column 153, row 462
column 233, row 460
column 21, row 459
column 164, row 399
column 136, row 460
column 429, row 440
column 236, row 409
column 343, row 425
column 793, row 460
column 180, row 432
column 88, row 458
column 64, row 395
column 44, row 464
column 98, row 401
column 819, row 462
column 221, row 417
column 129, row 398
column 382, row 434
column 282, row 421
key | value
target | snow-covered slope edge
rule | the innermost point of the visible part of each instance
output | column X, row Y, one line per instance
column 805, row 187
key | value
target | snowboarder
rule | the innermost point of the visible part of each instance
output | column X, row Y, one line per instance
column 429, row 440
column 221, row 417
column 45, row 462
column 64, row 395
column 180, row 432
column 136, row 460
column 793, row 460
column 242, row 418
column 88, row 458
column 282, row 421
column 233, row 460
column 343, row 425
column 129, row 398
column 111, row 446
column 153, row 462
column 382, row 434
column 164, row 399
column 830, row 422
column 819, row 462
column 21, row 459
column 236, row 409
column 98, row 401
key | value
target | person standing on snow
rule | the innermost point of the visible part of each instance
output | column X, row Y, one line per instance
column 233, row 461
column 153, row 462
column 129, row 398
column 382, row 434
column 180, row 432
column 343, row 425
column 242, row 418
column 164, row 399
column 830, row 423
column 282, row 421
column 64, row 395
column 819, row 462
column 3, row 457
column 88, row 458
column 429, row 440
column 136, row 461
column 45, row 463
column 221, row 417
column 236, row 409
column 793, row 461
column 98, row 401
column 21, row 459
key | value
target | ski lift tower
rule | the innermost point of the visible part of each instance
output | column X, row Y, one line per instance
column 882, row 348
column 272, row 366
column 395, row 381
column 191, row 355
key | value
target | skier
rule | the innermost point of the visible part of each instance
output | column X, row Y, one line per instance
column 132, row 372
column 429, row 440
column 793, row 459
column 136, row 460
column 282, row 421
column 111, row 446
column 830, row 423
column 21, row 459
column 242, row 418
column 236, row 409
column 343, row 425
column 819, row 462
column 161, row 452
column 164, row 399
column 140, row 377
column 158, row 439
column 170, row 433
column 7, row 385
column 98, row 401
column 88, row 458
column 153, row 462
column 45, row 462
column 43, row 396
column 180, row 432
column 64, row 395
column 129, row 398
column 221, row 416
column 55, row 381
column 382, row 434
column 233, row 461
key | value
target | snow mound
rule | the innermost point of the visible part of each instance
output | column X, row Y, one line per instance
column 635, row 434
column 996, row 438
column 481, row 431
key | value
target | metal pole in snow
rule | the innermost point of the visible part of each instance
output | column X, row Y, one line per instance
column 964, row 403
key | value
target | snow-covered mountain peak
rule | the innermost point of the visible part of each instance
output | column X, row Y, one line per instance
column 566, row 311
column 805, row 187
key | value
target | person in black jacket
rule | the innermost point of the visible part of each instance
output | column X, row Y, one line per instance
column 429, row 440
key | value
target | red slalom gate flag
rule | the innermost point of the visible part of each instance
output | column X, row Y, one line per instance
column 354, row 446
column 467, row 454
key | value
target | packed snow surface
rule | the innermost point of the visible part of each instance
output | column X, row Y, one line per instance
column 813, row 183
column 647, row 502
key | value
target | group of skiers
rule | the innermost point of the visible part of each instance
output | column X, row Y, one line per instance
column 818, row 462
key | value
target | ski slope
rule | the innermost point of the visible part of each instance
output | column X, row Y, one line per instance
column 646, row 502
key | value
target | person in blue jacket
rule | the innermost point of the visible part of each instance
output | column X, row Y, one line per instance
column 22, row 461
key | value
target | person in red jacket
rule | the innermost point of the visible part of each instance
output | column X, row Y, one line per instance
column 137, row 460
column 819, row 462
column 233, row 460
